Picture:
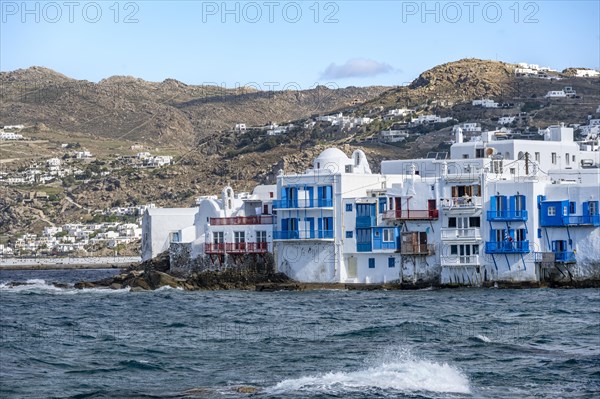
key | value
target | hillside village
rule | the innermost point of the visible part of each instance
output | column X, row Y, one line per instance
column 111, row 182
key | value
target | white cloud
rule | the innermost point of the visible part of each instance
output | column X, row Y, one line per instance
column 357, row 67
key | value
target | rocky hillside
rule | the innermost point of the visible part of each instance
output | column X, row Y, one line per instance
column 164, row 112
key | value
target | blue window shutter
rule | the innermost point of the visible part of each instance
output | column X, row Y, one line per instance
column 284, row 224
column 493, row 203
column 371, row 263
column 391, row 262
column 513, row 202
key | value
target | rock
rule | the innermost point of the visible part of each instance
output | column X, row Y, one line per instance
column 137, row 289
column 245, row 389
column 85, row 284
column 140, row 282
column 116, row 286
column 160, row 279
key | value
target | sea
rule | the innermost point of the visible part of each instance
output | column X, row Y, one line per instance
column 169, row 343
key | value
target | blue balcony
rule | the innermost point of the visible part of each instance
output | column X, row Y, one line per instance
column 507, row 247
column 303, row 203
column 364, row 247
column 303, row 234
column 583, row 220
column 366, row 221
column 507, row 216
column 564, row 257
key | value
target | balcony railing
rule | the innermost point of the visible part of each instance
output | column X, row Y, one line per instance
column 507, row 216
column 507, row 247
column 420, row 249
column 236, row 248
column 303, row 203
column 366, row 221
column 241, row 220
column 409, row 214
column 564, row 257
column 461, row 202
column 581, row 220
column 551, row 257
column 303, row 234
column 452, row 233
column 460, row 260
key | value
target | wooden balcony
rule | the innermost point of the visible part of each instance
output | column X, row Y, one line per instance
column 409, row 214
column 237, row 248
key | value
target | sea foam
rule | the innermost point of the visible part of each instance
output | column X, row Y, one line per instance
column 42, row 286
column 405, row 373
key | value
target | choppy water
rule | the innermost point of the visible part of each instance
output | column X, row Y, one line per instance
column 471, row 343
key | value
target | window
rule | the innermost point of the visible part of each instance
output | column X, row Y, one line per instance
column 175, row 236
column 388, row 235
column 465, row 156
column 479, row 153
column 512, row 171
column 520, row 235
column 371, row 263
column 348, row 207
column 474, row 222
column 363, row 236
column 519, row 202
column 537, row 157
column 451, row 222
column 593, row 207
column 573, row 158
column 391, row 262
column 539, row 233
column 551, row 211
column 565, row 210
column 453, row 249
column 261, row 236
column 553, row 158
column 239, row 237
column 349, row 234
column 567, row 158
column 218, row 237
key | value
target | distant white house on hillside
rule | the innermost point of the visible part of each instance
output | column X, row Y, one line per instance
column 485, row 103
column 556, row 94
column 587, row 73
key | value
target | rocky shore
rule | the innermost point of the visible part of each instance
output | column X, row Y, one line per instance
column 156, row 273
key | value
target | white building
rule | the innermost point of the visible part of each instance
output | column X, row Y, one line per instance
column 83, row 154
column 393, row 136
column 10, row 136
column 506, row 120
column 587, row 73
column 471, row 127
column 161, row 226
column 426, row 119
column 486, row 103
column 397, row 113
column 556, row 94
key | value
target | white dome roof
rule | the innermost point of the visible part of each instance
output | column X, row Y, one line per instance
column 332, row 158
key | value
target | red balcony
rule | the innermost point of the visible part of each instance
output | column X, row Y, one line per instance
column 409, row 214
column 241, row 220
column 237, row 248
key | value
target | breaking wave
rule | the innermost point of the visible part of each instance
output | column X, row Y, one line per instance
column 38, row 286
column 397, row 371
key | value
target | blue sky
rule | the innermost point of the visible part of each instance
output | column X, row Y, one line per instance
column 276, row 44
